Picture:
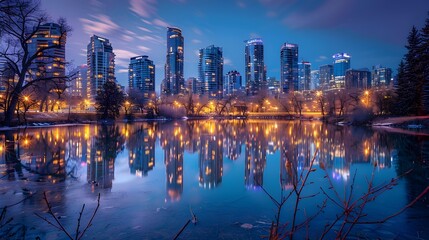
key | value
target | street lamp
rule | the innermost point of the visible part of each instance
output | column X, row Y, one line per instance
column 367, row 98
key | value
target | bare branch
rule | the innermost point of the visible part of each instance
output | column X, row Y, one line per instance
column 92, row 218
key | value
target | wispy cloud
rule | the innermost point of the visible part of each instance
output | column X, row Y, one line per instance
column 321, row 58
column 123, row 70
column 147, row 21
column 143, row 8
column 160, row 23
column 152, row 39
column 196, row 41
column 325, row 15
column 100, row 24
column 145, row 29
column 144, row 48
column 128, row 36
column 227, row 61
column 123, row 56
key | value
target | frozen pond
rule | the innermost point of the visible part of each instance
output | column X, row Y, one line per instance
column 151, row 176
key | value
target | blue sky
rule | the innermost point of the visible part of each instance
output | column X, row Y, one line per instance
column 371, row 31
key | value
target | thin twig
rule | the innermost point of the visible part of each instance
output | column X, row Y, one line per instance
column 424, row 192
column 181, row 230
column 298, row 193
column 78, row 221
column 49, row 222
column 55, row 217
column 11, row 205
column 92, row 217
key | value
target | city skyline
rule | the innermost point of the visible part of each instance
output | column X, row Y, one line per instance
column 321, row 29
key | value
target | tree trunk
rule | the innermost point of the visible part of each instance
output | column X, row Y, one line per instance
column 10, row 110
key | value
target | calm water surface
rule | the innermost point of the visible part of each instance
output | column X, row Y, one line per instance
column 151, row 176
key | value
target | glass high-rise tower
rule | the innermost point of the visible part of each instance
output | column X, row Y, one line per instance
column 326, row 76
column 381, row 76
column 101, row 64
column 304, row 75
column 141, row 76
column 232, row 83
column 174, row 82
column 341, row 65
column 289, row 80
column 254, row 66
column 49, row 63
column 210, row 70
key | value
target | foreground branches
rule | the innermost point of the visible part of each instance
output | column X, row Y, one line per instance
column 57, row 224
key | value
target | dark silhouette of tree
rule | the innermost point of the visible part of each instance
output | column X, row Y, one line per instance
column 403, row 102
column 412, row 79
column 413, row 71
column 424, row 51
column 109, row 101
column 137, row 98
column 20, row 21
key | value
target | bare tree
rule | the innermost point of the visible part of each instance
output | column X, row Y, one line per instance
column 322, row 102
column 137, row 98
column 285, row 103
column 298, row 102
column 383, row 99
column 20, row 21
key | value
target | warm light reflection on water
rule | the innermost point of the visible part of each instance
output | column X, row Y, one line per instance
column 154, row 172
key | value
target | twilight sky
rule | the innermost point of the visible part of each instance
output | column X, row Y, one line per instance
column 371, row 31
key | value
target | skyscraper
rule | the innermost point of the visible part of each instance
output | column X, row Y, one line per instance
column 78, row 86
column 101, row 63
column 326, row 76
column 210, row 71
column 304, row 75
column 232, row 83
column 381, row 76
column 174, row 82
column 358, row 78
column 49, row 64
column 192, row 85
column 315, row 79
column 273, row 86
column 289, row 67
column 341, row 64
column 141, row 76
column 254, row 66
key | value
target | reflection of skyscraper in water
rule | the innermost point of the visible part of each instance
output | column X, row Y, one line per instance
column 380, row 152
column 141, row 147
column 288, row 174
column 192, row 141
column 338, row 152
column 100, row 171
column 256, row 156
column 211, row 160
column 233, row 141
column 297, row 151
column 44, row 153
column 172, row 142
column 76, row 149
column 232, row 148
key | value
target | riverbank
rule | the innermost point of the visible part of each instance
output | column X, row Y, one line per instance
column 416, row 125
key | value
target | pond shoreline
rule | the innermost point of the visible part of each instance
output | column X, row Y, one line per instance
column 412, row 125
